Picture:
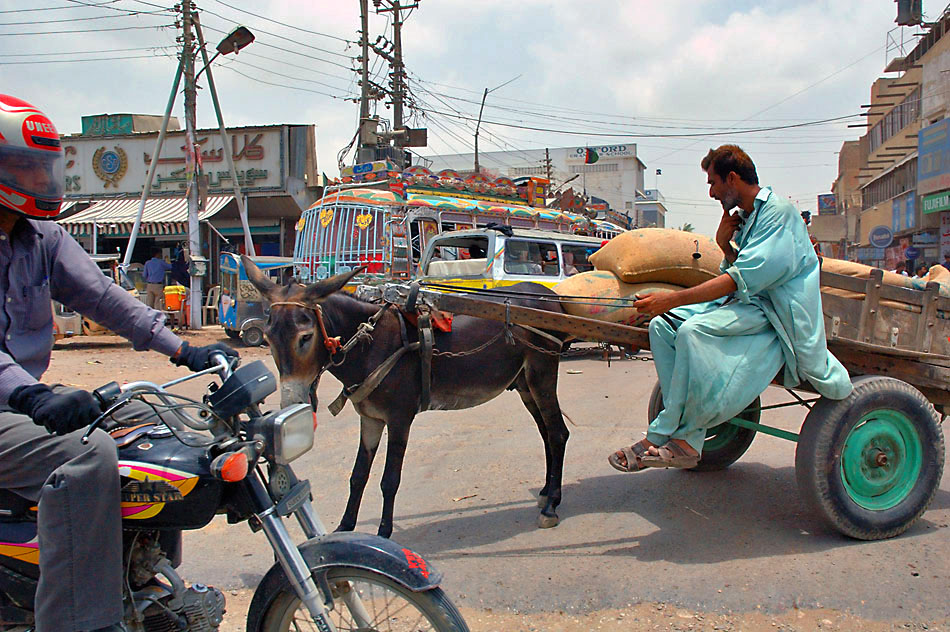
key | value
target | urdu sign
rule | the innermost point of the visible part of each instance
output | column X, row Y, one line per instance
column 119, row 164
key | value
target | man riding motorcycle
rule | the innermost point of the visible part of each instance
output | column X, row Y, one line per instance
column 76, row 486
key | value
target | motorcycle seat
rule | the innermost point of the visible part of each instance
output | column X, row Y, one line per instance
column 15, row 508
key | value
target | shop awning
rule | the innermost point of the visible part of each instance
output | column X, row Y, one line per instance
column 162, row 216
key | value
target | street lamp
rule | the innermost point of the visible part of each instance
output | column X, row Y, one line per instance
column 238, row 38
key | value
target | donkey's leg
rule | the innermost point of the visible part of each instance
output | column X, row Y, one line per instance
column 541, row 378
column 521, row 385
column 396, row 442
column 371, row 431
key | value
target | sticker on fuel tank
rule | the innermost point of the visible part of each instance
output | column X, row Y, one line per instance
column 150, row 492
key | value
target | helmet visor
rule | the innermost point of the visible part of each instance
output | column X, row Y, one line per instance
column 32, row 172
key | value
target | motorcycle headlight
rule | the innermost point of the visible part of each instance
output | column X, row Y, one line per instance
column 288, row 433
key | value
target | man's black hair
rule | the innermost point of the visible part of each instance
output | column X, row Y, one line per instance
column 727, row 158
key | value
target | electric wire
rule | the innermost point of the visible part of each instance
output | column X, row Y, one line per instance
column 72, row 61
column 288, row 39
column 120, row 28
column 82, row 19
column 102, row 6
column 290, row 26
column 281, row 85
column 84, row 52
column 274, row 46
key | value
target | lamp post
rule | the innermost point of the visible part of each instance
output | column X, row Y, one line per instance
column 237, row 39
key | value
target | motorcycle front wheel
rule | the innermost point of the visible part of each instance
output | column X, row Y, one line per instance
column 364, row 601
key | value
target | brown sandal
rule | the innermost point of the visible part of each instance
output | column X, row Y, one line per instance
column 671, row 454
column 634, row 456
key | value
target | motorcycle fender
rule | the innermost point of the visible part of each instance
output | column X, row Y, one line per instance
column 373, row 553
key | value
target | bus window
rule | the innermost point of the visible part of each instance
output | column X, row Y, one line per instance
column 531, row 257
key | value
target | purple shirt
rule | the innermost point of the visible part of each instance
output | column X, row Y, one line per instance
column 40, row 262
column 155, row 270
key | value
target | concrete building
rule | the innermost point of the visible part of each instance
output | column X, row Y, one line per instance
column 650, row 209
column 616, row 176
column 893, row 224
column 835, row 225
column 106, row 170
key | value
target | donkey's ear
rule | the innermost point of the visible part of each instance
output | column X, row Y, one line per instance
column 326, row 287
column 257, row 278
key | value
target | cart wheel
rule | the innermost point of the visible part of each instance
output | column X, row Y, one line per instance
column 871, row 463
column 252, row 337
column 724, row 443
column 232, row 334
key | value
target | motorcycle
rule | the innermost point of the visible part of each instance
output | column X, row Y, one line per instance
column 195, row 459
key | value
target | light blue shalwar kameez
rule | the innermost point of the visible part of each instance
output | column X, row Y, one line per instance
column 713, row 359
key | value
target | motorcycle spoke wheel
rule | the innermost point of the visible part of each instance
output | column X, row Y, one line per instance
column 386, row 607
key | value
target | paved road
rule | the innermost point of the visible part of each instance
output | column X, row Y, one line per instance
column 736, row 540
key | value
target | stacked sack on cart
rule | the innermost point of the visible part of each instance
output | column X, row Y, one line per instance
column 663, row 260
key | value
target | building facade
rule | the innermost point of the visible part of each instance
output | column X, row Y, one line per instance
column 901, row 162
column 650, row 209
column 616, row 176
column 106, row 173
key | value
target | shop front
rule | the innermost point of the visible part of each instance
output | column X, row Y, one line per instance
column 276, row 171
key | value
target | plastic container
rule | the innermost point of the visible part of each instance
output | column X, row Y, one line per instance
column 174, row 295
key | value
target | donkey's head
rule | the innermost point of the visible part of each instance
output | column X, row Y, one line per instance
column 293, row 330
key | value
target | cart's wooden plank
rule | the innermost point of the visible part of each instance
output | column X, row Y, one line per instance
column 871, row 300
column 887, row 292
column 586, row 328
column 911, row 370
column 932, row 358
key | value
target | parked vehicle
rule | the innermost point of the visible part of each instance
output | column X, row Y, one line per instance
column 209, row 457
column 387, row 231
column 501, row 256
column 241, row 309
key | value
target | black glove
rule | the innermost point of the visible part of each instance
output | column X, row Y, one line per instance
column 199, row 358
column 59, row 413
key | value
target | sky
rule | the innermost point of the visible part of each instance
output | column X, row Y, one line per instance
column 675, row 77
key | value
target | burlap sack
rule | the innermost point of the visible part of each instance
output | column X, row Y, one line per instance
column 660, row 254
column 861, row 271
column 597, row 285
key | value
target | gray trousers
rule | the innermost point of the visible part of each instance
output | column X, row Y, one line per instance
column 79, row 523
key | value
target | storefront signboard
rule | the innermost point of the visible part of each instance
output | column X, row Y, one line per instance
column 578, row 154
column 944, row 234
column 880, row 236
column 933, row 161
column 117, row 165
column 827, row 204
column 936, row 202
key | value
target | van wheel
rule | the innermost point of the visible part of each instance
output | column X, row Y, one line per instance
column 252, row 337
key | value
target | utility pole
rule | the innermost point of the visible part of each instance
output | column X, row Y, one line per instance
column 548, row 172
column 397, row 86
column 191, row 166
column 364, row 58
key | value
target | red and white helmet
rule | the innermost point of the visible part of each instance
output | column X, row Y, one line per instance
column 31, row 161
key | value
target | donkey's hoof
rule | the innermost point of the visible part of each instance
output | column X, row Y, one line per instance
column 546, row 522
column 542, row 501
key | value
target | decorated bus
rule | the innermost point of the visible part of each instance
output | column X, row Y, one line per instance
column 383, row 219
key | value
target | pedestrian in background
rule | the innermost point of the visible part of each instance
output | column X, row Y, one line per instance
column 901, row 269
column 922, row 271
column 946, row 261
column 155, row 269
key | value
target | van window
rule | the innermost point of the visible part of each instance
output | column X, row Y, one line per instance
column 531, row 257
column 457, row 256
column 577, row 258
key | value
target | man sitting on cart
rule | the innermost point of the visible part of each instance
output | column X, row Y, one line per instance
column 718, row 345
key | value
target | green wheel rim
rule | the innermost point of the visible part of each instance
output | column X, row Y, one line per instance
column 881, row 460
column 720, row 436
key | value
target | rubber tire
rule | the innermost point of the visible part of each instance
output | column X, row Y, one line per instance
column 252, row 337
column 821, row 442
column 719, row 459
column 269, row 608
column 232, row 333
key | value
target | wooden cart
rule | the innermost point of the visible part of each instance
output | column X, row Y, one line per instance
column 870, row 464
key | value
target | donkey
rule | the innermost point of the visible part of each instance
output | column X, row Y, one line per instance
column 304, row 320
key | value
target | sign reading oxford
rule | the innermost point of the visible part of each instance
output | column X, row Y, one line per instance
column 579, row 154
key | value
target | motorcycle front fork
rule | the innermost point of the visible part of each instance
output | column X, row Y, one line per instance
column 295, row 567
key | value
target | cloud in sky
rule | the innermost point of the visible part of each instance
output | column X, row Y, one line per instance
column 675, row 67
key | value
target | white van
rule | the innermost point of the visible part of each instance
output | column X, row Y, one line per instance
column 500, row 256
